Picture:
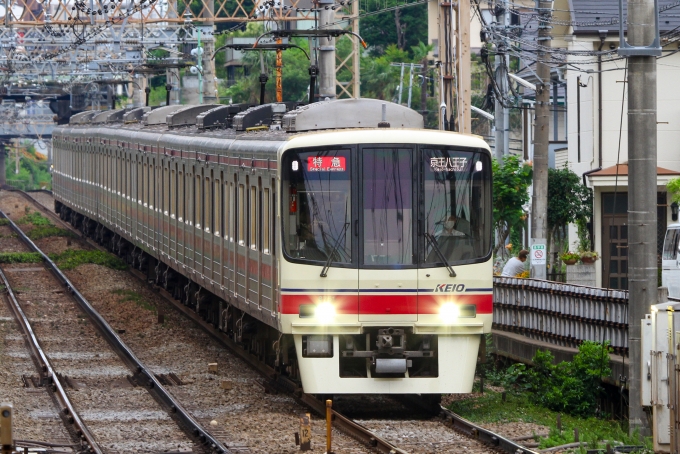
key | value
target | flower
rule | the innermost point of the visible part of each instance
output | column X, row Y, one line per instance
column 568, row 256
column 508, row 246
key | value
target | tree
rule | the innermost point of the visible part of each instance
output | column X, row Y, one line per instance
column 404, row 26
column 673, row 187
column 569, row 201
column 510, row 194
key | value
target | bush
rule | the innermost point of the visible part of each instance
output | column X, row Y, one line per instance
column 570, row 387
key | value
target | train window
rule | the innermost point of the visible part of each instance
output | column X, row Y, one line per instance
column 240, row 220
column 140, row 181
column 207, row 202
column 316, row 205
column 180, row 197
column 198, row 200
column 253, row 218
column 388, row 206
column 164, row 193
column 145, row 184
column 173, row 193
column 456, row 202
column 228, row 211
column 266, row 222
column 670, row 244
column 152, row 184
column 217, row 207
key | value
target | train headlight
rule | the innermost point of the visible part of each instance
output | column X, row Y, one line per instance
column 325, row 312
column 449, row 312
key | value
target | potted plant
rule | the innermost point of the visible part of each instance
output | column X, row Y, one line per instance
column 570, row 258
column 589, row 256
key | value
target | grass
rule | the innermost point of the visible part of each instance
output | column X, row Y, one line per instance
column 34, row 218
column 70, row 259
column 20, row 257
column 4, row 221
column 490, row 408
column 131, row 295
column 44, row 231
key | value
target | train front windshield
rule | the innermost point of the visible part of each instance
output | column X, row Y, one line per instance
column 387, row 206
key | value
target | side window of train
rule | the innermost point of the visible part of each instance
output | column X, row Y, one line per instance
column 198, row 200
column 229, row 211
column 266, row 221
column 253, row 218
column 217, row 207
column 165, row 190
column 240, row 218
column 173, row 191
column 180, row 193
column 207, row 203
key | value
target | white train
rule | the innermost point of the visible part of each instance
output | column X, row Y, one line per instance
column 340, row 241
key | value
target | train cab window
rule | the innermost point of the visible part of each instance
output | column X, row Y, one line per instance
column 456, row 187
column 387, row 206
column 316, row 208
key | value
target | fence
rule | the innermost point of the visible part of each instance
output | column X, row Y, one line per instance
column 561, row 314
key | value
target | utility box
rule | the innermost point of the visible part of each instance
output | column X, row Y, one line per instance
column 659, row 373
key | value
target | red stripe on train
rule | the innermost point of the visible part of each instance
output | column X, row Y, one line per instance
column 385, row 304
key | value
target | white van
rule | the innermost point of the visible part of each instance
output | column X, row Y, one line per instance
column 670, row 261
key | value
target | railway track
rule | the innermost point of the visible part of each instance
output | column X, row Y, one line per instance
column 97, row 372
column 274, row 383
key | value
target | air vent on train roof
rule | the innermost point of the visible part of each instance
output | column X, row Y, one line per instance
column 109, row 116
column 187, row 115
column 82, row 118
column 219, row 117
column 262, row 115
column 159, row 116
column 350, row 113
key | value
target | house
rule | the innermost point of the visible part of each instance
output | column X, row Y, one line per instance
column 597, row 139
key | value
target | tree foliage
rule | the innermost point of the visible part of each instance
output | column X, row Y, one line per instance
column 510, row 193
column 403, row 27
column 569, row 201
column 673, row 187
column 571, row 387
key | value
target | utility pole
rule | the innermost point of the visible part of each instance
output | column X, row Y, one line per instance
column 642, row 149
column 539, row 209
column 326, row 51
column 501, row 64
column 463, row 72
column 207, row 76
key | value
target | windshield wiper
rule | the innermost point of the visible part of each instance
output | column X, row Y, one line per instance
column 435, row 246
column 335, row 248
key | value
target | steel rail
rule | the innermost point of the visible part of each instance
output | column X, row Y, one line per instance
column 484, row 435
column 47, row 373
column 153, row 385
column 276, row 381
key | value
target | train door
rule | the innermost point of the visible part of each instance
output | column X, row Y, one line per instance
column 216, row 228
column 388, row 277
column 182, row 217
column 253, row 240
column 267, row 269
column 157, row 200
column 164, row 244
column 198, row 219
column 207, row 227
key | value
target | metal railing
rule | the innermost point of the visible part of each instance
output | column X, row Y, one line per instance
column 561, row 314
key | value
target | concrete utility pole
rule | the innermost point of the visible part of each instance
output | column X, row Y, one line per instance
column 642, row 264
column 206, row 29
column 539, row 209
column 463, row 83
column 326, row 52
column 502, row 114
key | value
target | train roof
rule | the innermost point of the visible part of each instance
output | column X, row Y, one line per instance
column 265, row 126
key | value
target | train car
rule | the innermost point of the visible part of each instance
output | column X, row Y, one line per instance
column 339, row 241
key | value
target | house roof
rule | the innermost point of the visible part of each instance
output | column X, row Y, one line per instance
column 591, row 16
column 623, row 171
